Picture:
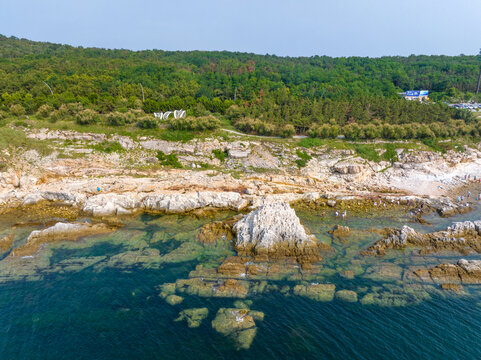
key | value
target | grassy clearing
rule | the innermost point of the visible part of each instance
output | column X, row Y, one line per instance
column 15, row 138
column 177, row 135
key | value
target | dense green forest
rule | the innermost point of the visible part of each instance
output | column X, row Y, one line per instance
column 263, row 94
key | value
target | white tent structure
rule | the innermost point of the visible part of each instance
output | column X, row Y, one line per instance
column 178, row 114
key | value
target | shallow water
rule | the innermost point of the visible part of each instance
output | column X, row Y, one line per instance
column 98, row 298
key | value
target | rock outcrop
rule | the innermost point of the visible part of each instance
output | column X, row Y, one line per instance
column 274, row 230
column 460, row 236
column 58, row 232
column 463, row 272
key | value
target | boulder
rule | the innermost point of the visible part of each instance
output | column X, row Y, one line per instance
column 274, row 230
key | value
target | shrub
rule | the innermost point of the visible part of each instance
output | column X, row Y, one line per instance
column 17, row 110
column 255, row 126
column 287, row 131
column 44, row 111
column 86, row 117
column 108, row 147
column 54, row 116
column 74, row 108
column 234, row 112
column 194, row 124
column 170, row 160
column 147, row 123
column 115, row 119
column 219, row 154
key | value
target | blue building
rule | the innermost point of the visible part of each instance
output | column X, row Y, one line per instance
column 419, row 95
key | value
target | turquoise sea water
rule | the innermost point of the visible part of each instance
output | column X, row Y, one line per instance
column 84, row 301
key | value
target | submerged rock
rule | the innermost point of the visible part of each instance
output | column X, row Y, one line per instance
column 6, row 242
column 346, row 295
column 193, row 317
column 214, row 231
column 318, row 292
column 174, row 299
column 340, row 231
column 238, row 324
column 274, row 230
column 58, row 232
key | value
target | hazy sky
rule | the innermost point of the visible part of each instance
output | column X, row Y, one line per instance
column 281, row 27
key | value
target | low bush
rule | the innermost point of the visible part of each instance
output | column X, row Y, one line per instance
column 202, row 123
column 147, row 123
column 219, row 154
column 108, row 147
column 170, row 160
column 85, row 117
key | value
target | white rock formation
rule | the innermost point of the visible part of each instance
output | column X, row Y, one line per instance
column 272, row 228
column 178, row 203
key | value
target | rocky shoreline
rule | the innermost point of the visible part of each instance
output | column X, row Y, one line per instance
column 257, row 243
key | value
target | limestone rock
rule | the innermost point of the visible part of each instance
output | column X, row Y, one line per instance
column 58, row 232
column 111, row 204
column 459, row 236
column 464, row 271
column 180, row 203
column 274, row 230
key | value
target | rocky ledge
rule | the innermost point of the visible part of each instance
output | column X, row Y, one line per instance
column 58, row 232
column 274, row 230
column 464, row 237
column 463, row 272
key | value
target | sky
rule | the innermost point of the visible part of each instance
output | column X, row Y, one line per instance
column 282, row 27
